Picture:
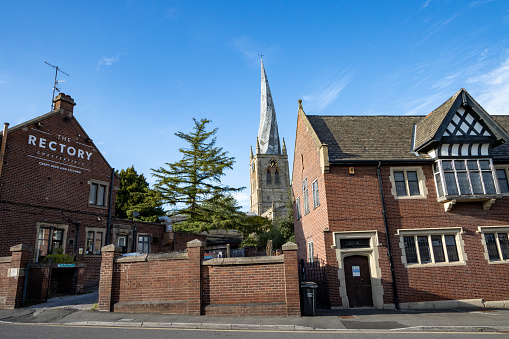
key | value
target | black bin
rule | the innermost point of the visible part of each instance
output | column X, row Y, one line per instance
column 308, row 297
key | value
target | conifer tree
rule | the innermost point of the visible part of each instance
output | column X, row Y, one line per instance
column 134, row 194
column 192, row 185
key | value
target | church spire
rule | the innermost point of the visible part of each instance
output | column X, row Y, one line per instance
column 268, row 135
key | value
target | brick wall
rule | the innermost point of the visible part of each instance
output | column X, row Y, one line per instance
column 12, row 276
column 183, row 283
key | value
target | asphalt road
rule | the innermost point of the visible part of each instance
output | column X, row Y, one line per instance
column 76, row 332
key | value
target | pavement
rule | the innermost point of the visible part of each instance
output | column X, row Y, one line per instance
column 80, row 310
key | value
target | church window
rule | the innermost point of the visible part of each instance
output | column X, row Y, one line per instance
column 305, row 196
column 269, row 177
column 276, row 177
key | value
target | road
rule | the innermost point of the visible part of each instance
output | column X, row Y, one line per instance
column 78, row 332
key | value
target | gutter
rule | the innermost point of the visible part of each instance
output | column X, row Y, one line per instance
column 395, row 297
column 2, row 148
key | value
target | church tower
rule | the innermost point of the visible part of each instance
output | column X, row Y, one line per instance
column 269, row 173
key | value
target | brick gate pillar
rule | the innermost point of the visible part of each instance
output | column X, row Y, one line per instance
column 109, row 253
column 291, row 279
column 16, row 275
column 195, row 257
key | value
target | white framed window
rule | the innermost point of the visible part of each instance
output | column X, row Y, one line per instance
column 143, row 245
column 98, row 193
column 316, row 197
column 466, row 177
column 432, row 246
column 502, row 178
column 122, row 242
column 49, row 238
column 311, row 252
column 95, row 240
column 408, row 183
column 305, row 196
column 297, row 208
column 495, row 240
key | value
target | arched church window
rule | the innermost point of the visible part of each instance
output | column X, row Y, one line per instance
column 276, row 177
column 269, row 177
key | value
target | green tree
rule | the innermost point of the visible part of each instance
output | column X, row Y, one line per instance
column 134, row 194
column 282, row 229
column 192, row 185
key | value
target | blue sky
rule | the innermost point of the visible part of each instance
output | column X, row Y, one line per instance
column 141, row 70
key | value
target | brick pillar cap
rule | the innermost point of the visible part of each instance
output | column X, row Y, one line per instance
column 290, row 246
column 111, row 248
column 195, row 243
column 21, row 248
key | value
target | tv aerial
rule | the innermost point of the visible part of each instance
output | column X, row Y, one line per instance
column 55, row 88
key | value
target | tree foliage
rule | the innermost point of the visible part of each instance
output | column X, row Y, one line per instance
column 192, row 185
column 134, row 194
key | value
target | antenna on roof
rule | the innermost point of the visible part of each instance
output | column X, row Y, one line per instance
column 55, row 88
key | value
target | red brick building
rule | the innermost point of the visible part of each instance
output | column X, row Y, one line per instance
column 57, row 190
column 406, row 211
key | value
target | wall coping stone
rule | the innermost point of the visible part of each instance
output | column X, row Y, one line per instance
column 21, row 248
column 195, row 243
column 5, row 259
column 132, row 258
column 167, row 256
column 111, row 248
column 290, row 246
column 244, row 261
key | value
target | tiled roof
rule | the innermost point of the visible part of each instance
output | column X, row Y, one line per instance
column 352, row 138
column 428, row 127
column 361, row 138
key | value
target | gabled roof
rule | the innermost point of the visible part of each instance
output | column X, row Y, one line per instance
column 374, row 138
column 433, row 127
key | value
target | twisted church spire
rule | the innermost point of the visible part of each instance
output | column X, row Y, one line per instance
column 268, row 135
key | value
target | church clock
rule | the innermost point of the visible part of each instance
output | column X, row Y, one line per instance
column 273, row 163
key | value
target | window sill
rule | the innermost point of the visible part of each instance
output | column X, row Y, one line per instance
column 486, row 199
column 498, row 262
column 96, row 206
column 442, row 264
column 409, row 197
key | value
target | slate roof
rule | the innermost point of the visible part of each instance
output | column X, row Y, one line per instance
column 373, row 138
column 428, row 127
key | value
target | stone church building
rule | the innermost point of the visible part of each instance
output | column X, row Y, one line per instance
column 269, row 174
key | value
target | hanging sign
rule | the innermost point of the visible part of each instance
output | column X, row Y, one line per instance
column 356, row 271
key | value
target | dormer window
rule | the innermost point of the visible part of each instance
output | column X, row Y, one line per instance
column 464, row 178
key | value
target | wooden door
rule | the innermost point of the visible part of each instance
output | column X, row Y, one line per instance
column 358, row 281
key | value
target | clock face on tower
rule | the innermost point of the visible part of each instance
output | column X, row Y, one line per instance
column 273, row 163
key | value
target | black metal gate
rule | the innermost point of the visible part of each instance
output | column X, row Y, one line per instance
column 37, row 284
column 316, row 271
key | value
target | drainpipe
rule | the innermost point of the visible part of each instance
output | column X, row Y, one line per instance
column 2, row 149
column 395, row 297
column 109, row 207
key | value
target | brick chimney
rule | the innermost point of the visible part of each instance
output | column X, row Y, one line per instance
column 64, row 103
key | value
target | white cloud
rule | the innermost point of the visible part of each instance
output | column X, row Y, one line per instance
column 251, row 50
column 3, row 82
column 105, row 61
column 243, row 200
column 494, row 89
column 479, row 3
column 326, row 94
column 426, row 4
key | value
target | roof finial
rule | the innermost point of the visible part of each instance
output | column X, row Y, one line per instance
column 261, row 55
column 284, row 147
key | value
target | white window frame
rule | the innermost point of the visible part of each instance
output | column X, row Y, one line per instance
column 305, row 196
column 441, row 174
column 60, row 227
column 316, row 194
column 506, row 169
column 311, row 252
column 297, row 208
column 423, row 191
column 93, row 201
column 95, row 231
column 493, row 229
column 460, row 246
